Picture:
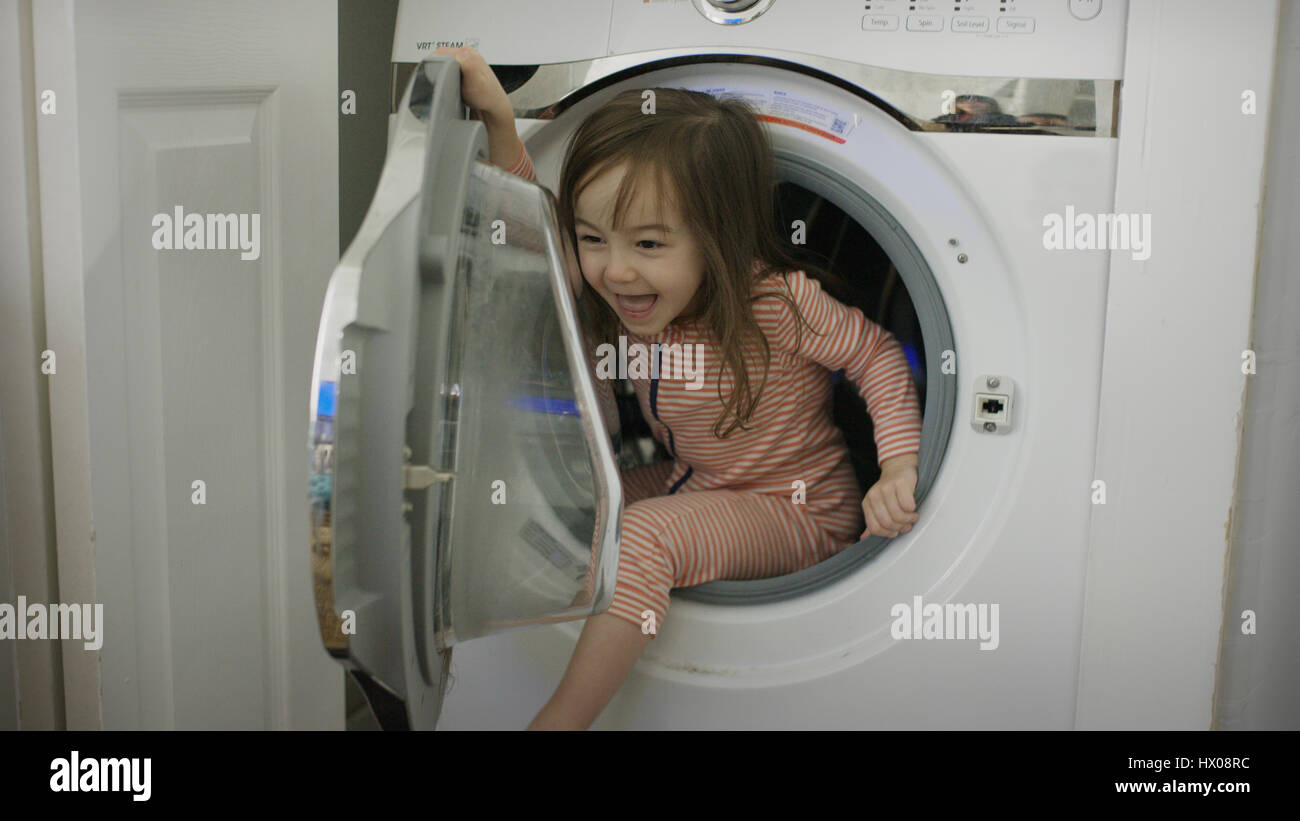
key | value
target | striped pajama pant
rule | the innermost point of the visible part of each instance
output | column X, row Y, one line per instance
column 689, row 538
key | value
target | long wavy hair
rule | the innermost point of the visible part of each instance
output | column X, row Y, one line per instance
column 712, row 159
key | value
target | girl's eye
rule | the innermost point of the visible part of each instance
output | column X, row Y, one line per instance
column 588, row 238
column 650, row 244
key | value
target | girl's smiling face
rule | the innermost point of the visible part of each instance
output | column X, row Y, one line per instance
column 650, row 270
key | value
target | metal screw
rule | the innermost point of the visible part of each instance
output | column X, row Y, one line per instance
column 990, row 427
column 953, row 242
column 993, row 382
column 962, row 258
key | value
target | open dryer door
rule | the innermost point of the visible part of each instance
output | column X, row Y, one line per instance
column 463, row 481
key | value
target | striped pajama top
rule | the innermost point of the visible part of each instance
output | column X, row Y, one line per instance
column 790, row 435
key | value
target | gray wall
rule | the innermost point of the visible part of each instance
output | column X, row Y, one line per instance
column 365, row 54
column 1259, row 675
column 365, row 58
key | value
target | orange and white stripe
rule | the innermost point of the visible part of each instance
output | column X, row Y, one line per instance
column 523, row 166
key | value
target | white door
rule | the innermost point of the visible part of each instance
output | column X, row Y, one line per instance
column 179, row 401
column 463, row 478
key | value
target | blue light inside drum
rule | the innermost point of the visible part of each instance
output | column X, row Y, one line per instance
column 909, row 350
column 325, row 398
column 540, row 404
column 731, row 21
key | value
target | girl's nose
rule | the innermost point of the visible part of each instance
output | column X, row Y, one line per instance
column 618, row 269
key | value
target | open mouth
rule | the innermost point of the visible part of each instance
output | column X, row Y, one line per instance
column 636, row 306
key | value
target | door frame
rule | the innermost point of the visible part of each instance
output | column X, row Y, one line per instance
column 59, row 185
column 1157, row 556
column 31, row 690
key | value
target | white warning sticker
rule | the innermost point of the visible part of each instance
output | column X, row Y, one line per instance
column 784, row 108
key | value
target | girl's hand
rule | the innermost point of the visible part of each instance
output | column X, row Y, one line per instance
column 487, row 100
column 889, row 505
column 479, row 87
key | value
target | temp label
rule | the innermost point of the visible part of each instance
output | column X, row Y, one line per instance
column 784, row 108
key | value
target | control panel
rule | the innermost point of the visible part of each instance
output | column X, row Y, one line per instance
column 1081, row 39
column 989, row 38
column 1010, row 17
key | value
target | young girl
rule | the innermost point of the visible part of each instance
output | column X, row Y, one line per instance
column 672, row 213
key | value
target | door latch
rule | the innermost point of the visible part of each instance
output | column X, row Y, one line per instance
column 419, row 477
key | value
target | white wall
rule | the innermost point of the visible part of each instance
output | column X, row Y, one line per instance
column 1259, row 675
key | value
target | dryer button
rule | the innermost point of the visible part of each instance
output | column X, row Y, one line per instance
column 1085, row 9
column 880, row 22
column 974, row 25
column 1015, row 25
column 924, row 22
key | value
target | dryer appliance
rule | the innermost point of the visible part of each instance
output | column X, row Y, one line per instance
column 924, row 145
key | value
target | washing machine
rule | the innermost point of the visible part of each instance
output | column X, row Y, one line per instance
column 924, row 149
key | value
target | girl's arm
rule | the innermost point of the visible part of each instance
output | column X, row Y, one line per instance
column 487, row 100
column 841, row 337
column 870, row 356
column 505, row 147
column 523, row 166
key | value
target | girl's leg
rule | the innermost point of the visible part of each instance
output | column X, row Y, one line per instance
column 644, row 481
column 608, row 646
column 677, row 541
column 606, row 651
column 638, row 483
column 691, row 538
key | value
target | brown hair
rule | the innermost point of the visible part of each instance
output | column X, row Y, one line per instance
column 712, row 159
